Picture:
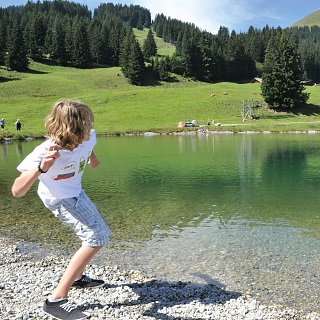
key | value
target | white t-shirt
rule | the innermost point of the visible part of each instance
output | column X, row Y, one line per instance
column 63, row 179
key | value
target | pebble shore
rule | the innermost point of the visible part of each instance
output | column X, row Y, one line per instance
column 26, row 281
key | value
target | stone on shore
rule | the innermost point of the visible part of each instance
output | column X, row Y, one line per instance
column 25, row 282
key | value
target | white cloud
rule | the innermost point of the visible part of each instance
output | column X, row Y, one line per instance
column 209, row 15
column 197, row 12
column 237, row 15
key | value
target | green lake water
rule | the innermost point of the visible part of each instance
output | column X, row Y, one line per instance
column 238, row 210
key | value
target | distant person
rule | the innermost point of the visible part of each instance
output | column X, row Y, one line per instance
column 2, row 124
column 59, row 163
column 18, row 125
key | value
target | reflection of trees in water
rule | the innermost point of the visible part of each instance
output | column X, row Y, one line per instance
column 157, row 200
column 285, row 193
column 273, row 186
column 173, row 183
column 4, row 151
column 17, row 145
column 3, row 169
column 19, row 150
column 283, row 166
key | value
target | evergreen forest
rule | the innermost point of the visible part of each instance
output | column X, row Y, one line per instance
column 69, row 34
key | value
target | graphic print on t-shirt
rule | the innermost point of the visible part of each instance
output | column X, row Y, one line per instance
column 82, row 164
column 64, row 176
column 70, row 165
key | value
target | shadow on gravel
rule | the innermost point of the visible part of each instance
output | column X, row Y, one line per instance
column 164, row 294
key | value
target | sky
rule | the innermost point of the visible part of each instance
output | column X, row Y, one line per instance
column 209, row 15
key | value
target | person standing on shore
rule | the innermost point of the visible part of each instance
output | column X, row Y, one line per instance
column 2, row 124
column 18, row 124
column 59, row 163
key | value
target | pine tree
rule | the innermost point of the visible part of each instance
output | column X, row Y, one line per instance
column 98, row 37
column 80, row 53
column 206, row 57
column 116, row 37
column 125, row 53
column 58, row 46
column 186, row 52
column 35, row 35
column 240, row 65
column 16, row 57
column 283, row 73
column 136, row 64
column 68, row 37
column 131, row 59
column 310, row 53
column 161, row 68
column 3, row 38
column 149, row 46
column 255, row 47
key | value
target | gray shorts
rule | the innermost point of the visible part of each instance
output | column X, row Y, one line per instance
column 84, row 218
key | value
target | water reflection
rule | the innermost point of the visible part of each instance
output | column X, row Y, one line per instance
column 19, row 151
column 3, row 151
column 148, row 183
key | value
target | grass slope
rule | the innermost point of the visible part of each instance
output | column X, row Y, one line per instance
column 164, row 48
column 312, row 19
column 122, row 108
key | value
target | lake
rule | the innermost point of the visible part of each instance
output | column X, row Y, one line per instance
column 237, row 210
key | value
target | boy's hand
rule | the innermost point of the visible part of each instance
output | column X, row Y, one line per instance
column 24, row 182
column 93, row 160
column 50, row 157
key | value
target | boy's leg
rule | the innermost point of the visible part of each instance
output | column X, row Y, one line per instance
column 74, row 270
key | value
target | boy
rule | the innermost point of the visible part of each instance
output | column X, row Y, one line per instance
column 59, row 163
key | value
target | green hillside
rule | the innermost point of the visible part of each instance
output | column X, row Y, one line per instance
column 312, row 19
column 164, row 48
column 156, row 106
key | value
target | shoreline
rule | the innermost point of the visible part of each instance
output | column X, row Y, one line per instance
column 27, row 279
column 173, row 133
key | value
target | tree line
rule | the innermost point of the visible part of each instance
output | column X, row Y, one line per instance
column 70, row 34
column 66, row 33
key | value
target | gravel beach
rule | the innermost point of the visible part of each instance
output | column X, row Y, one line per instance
column 27, row 279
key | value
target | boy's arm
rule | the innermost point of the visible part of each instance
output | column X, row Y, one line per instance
column 93, row 160
column 24, row 182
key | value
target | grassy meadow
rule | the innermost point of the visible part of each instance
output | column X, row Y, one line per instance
column 310, row 20
column 164, row 48
column 122, row 108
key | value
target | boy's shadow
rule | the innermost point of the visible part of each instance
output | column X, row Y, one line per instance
column 163, row 294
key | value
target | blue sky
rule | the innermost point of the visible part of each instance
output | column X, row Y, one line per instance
column 209, row 15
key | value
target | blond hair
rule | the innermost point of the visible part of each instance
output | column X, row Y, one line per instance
column 69, row 123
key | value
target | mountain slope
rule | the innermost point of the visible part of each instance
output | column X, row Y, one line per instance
column 310, row 20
